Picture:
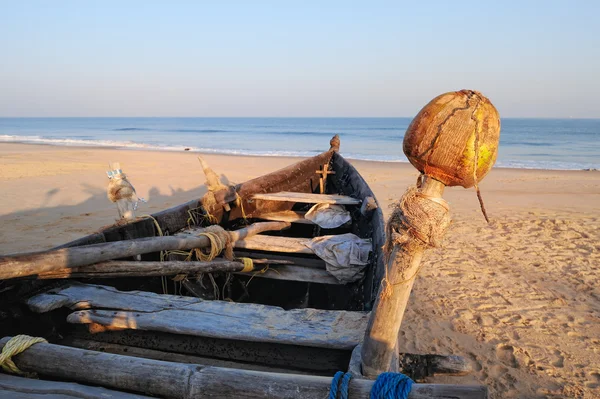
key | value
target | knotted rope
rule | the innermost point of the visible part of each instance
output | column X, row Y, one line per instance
column 220, row 240
column 418, row 220
column 14, row 346
column 387, row 386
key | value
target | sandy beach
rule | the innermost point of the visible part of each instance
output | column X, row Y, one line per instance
column 519, row 297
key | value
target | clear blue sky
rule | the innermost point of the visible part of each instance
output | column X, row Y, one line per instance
column 296, row 58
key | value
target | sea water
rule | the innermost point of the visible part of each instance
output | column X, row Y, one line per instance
column 524, row 143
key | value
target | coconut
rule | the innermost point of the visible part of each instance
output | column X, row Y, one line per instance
column 454, row 138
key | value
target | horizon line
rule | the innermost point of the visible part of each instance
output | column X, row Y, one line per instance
column 281, row 117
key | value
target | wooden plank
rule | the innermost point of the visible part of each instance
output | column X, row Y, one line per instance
column 134, row 351
column 296, row 273
column 275, row 244
column 118, row 269
column 141, row 310
column 287, row 196
column 317, row 361
column 285, row 216
column 13, row 387
column 186, row 381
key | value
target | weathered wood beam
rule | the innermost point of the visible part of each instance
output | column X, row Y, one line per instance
column 307, row 198
column 21, row 265
column 114, row 309
column 127, row 350
column 118, row 269
column 13, row 387
column 183, row 381
column 316, row 361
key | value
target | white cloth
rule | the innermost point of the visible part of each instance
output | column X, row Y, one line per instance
column 346, row 255
column 328, row 216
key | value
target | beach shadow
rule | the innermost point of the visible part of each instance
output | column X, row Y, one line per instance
column 48, row 226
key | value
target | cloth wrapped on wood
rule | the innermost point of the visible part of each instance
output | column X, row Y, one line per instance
column 346, row 255
column 328, row 216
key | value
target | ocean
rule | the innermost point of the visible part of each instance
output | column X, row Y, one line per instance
column 524, row 143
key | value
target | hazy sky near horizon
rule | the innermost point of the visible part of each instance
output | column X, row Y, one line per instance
column 296, row 58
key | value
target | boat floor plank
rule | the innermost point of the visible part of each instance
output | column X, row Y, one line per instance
column 108, row 307
column 14, row 387
column 288, row 196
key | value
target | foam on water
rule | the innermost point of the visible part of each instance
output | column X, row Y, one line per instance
column 525, row 143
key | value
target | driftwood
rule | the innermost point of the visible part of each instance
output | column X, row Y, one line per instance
column 117, row 269
column 22, row 265
column 141, row 310
column 286, row 196
column 13, row 387
column 176, row 380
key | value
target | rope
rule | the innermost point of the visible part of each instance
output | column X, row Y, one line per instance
column 14, row 346
column 391, row 386
column 387, row 386
column 248, row 265
column 339, row 385
column 219, row 239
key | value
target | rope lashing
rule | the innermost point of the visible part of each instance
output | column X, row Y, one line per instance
column 219, row 239
column 387, row 386
column 391, row 386
column 248, row 264
column 14, row 346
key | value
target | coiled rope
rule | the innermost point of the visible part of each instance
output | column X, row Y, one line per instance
column 387, row 386
column 14, row 346
column 219, row 239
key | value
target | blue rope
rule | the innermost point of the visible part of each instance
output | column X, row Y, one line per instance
column 344, row 386
column 387, row 386
column 335, row 382
column 391, row 386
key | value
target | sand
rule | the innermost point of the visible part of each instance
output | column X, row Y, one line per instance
column 520, row 297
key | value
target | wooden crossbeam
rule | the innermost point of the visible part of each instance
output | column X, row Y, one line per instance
column 138, row 310
column 307, row 198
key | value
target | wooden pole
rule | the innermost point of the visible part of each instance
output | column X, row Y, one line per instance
column 183, row 381
column 21, row 265
column 403, row 262
column 117, row 269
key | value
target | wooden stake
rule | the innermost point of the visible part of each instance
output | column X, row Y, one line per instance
column 21, row 265
column 183, row 381
column 379, row 347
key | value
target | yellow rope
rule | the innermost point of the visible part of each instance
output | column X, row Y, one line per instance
column 160, row 232
column 248, row 265
column 220, row 240
column 13, row 347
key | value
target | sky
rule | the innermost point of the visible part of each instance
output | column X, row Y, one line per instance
column 296, row 58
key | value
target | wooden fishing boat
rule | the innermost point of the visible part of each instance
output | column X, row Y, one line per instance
column 135, row 309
